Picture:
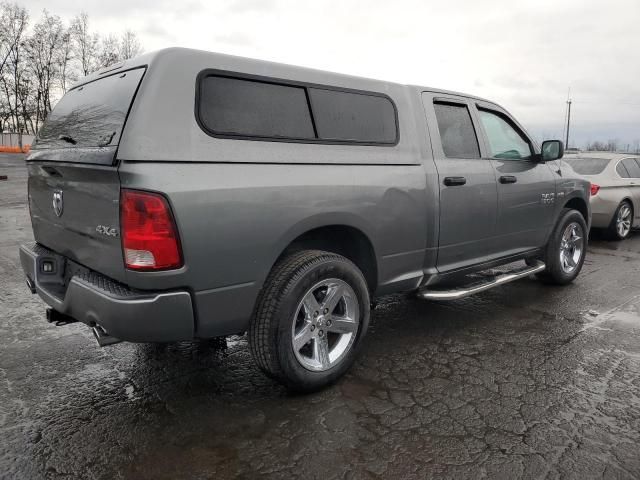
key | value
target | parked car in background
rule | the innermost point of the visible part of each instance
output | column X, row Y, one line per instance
column 186, row 194
column 615, row 190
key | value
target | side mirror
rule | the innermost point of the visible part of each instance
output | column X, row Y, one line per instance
column 551, row 150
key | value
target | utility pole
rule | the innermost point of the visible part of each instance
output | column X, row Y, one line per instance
column 566, row 143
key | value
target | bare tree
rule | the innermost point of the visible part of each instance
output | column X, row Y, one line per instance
column 5, row 114
column 86, row 43
column 41, row 51
column 13, row 23
column 129, row 45
column 64, row 58
column 109, row 52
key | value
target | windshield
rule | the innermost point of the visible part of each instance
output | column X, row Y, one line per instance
column 588, row 166
column 91, row 115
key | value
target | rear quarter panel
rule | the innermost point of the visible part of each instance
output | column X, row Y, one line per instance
column 236, row 219
column 606, row 202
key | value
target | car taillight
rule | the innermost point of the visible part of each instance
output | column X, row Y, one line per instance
column 149, row 234
column 594, row 189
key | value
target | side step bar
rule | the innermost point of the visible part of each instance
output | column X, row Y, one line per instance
column 458, row 293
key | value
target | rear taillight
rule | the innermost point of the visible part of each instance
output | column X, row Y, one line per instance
column 149, row 234
column 594, row 189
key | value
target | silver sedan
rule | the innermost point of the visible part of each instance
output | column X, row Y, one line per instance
column 615, row 189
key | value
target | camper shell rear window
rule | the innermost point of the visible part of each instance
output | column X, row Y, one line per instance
column 229, row 105
column 91, row 115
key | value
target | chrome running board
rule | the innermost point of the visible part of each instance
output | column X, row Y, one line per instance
column 501, row 279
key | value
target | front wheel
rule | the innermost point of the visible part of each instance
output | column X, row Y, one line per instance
column 566, row 249
column 310, row 319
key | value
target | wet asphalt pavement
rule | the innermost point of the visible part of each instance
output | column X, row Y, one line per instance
column 524, row 381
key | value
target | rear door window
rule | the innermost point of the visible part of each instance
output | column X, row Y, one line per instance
column 506, row 141
column 632, row 167
column 457, row 134
column 91, row 115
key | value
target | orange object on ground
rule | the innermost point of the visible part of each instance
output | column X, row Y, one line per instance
column 8, row 149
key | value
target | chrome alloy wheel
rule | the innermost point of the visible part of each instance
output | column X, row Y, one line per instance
column 571, row 246
column 623, row 220
column 325, row 324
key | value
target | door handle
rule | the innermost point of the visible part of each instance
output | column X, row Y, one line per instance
column 454, row 181
column 508, row 179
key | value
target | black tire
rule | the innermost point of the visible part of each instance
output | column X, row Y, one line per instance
column 555, row 274
column 270, row 332
column 612, row 231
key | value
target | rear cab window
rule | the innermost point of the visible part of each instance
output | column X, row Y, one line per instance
column 230, row 106
column 588, row 166
column 91, row 116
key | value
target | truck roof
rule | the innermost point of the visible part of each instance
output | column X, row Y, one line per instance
column 179, row 55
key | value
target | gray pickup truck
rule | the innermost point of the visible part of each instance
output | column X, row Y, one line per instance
column 186, row 194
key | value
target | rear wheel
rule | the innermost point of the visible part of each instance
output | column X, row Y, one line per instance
column 310, row 319
column 566, row 249
column 621, row 222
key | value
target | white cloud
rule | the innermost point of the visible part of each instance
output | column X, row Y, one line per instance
column 522, row 54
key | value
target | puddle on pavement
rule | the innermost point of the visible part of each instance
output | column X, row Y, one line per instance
column 628, row 313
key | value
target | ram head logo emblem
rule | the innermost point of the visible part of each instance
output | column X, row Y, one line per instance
column 58, row 205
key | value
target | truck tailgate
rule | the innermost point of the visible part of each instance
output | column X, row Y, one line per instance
column 75, row 212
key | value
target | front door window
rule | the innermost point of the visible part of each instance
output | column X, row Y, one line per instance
column 505, row 141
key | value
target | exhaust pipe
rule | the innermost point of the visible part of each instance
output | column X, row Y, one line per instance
column 103, row 338
column 31, row 285
column 60, row 319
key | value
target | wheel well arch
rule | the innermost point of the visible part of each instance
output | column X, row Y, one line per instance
column 627, row 198
column 345, row 240
column 577, row 203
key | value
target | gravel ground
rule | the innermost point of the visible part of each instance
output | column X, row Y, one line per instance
column 524, row 381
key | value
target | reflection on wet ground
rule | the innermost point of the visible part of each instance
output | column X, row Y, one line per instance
column 525, row 381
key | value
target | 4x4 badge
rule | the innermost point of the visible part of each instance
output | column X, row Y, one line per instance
column 58, row 205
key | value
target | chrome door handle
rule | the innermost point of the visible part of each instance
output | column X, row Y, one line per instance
column 508, row 179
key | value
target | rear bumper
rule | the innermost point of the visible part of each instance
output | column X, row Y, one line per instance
column 93, row 299
column 602, row 209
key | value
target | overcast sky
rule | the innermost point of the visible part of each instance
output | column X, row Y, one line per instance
column 521, row 54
